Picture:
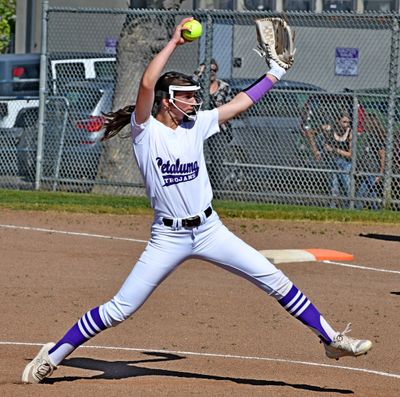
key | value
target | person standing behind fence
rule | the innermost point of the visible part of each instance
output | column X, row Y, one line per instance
column 370, row 161
column 220, row 93
column 327, row 128
column 337, row 144
column 220, row 90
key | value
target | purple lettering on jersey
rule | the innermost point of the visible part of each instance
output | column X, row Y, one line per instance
column 177, row 172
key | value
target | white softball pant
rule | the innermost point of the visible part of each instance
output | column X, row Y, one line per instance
column 168, row 248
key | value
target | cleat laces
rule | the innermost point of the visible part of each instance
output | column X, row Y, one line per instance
column 343, row 345
column 341, row 336
column 43, row 370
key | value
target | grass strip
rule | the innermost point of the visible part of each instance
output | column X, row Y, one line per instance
column 122, row 205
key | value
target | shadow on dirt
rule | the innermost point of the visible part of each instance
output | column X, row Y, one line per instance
column 377, row 236
column 128, row 369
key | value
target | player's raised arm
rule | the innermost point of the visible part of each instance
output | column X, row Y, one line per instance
column 145, row 97
column 276, row 46
column 249, row 96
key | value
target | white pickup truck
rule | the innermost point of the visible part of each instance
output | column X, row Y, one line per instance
column 79, row 90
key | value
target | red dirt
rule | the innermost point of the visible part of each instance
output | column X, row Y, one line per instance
column 49, row 280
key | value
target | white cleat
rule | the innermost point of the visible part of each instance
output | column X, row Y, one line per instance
column 343, row 345
column 40, row 367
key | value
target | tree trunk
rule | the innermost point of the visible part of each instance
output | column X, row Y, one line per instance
column 141, row 39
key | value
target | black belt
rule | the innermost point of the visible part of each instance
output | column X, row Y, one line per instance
column 194, row 221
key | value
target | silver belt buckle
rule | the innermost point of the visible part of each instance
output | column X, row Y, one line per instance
column 193, row 221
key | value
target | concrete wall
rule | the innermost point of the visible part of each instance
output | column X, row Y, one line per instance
column 315, row 56
column 28, row 40
column 28, row 18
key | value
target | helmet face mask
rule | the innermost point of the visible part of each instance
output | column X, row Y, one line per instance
column 172, row 89
column 171, row 83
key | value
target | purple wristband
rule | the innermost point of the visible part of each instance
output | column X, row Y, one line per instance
column 259, row 88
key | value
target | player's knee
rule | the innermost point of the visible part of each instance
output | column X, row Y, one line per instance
column 280, row 285
column 115, row 312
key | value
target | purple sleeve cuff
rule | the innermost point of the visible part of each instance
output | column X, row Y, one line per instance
column 259, row 88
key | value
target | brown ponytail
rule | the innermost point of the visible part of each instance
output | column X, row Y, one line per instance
column 116, row 121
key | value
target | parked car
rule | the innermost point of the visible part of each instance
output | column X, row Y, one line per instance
column 266, row 152
column 71, row 142
column 19, row 101
column 11, row 108
column 19, row 75
column 18, row 129
column 73, row 150
column 75, row 67
column 81, row 87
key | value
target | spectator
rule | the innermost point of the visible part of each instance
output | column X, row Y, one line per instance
column 337, row 144
column 327, row 124
column 371, row 161
column 220, row 93
column 320, row 112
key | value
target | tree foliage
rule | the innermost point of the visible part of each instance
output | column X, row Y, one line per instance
column 7, row 22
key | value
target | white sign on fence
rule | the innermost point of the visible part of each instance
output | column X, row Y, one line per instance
column 346, row 62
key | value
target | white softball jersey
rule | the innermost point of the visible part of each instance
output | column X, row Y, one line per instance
column 172, row 164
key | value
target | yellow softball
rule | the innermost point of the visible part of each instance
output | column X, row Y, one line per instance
column 194, row 32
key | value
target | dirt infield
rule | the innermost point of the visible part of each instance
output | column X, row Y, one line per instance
column 204, row 331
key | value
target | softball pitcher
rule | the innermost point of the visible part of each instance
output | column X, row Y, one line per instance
column 168, row 148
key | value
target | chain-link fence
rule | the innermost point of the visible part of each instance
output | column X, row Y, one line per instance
column 327, row 135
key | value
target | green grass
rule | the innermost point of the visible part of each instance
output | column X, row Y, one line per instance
column 72, row 202
column 122, row 205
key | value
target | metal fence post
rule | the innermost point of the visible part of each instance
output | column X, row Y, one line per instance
column 393, row 78
column 353, row 172
column 207, row 60
column 42, row 93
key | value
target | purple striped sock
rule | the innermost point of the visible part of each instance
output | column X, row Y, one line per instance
column 299, row 306
column 89, row 325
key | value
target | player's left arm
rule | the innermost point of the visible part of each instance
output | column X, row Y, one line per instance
column 245, row 99
column 276, row 46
